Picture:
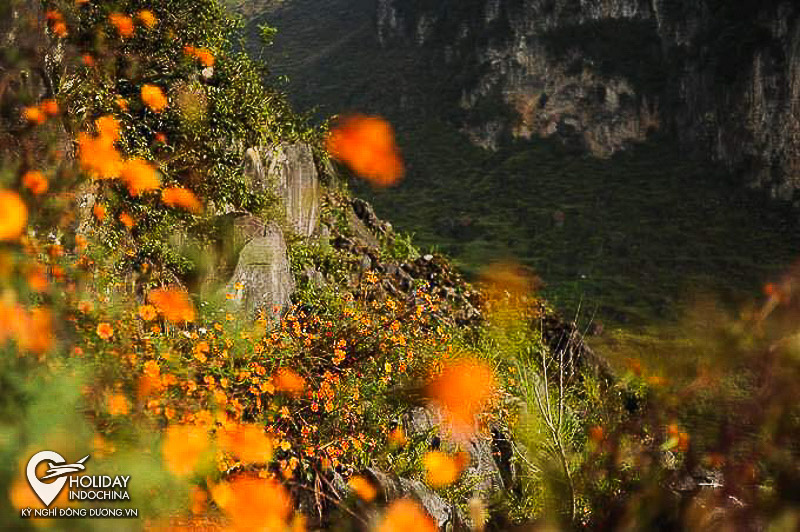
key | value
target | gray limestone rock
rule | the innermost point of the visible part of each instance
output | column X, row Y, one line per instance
column 262, row 278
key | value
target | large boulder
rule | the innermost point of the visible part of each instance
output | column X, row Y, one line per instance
column 289, row 171
column 262, row 278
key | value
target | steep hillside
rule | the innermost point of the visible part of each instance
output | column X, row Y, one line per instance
column 631, row 230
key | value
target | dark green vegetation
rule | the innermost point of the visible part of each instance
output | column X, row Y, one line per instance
column 642, row 232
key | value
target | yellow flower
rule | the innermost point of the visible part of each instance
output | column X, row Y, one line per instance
column 105, row 331
column 154, row 98
column 13, row 215
column 147, row 18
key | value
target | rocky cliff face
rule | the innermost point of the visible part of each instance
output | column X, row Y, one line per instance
column 724, row 76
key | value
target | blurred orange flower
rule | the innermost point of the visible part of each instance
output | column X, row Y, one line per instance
column 35, row 181
column 441, row 469
column 36, row 331
column 203, row 55
column 108, row 128
column 147, row 18
column 405, row 515
column 60, row 29
column 49, row 107
column 98, row 156
column 173, row 303
column 366, row 144
column 34, row 115
column 126, row 220
column 147, row 312
column 363, row 488
column 184, row 446
column 117, row 404
column 13, row 215
column 397, row 437
column 123, row 24
column 287, row 380
column 182, row 198
column 105, row 331
column 99, row 211
column 140, row 176
column 462, row 389
column 247, row 442
column 254, row 503
column 154, row 98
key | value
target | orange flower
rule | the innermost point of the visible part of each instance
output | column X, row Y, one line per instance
column 366, row 145
column 173, row 303
column 49, row 107
column 397, row 437
column 122, row 103
column 108, row 128
column 442, row 469
column 147, row 312
column 596, row 434
column 105, row 331
column 126, row 220
column 123, row 24
column 247, row 442
column 35, row 181
column 363, row 488
column 98, row 156
column 60, row 29
column 36, row 331
column 147, row 18
column 161, row 138
column 88, row 60
column 182, row 198
column 154, row 98
column 405, row 515
column 140, row 176
column 36, row 278
column 198, row 499
column 99, row 211
column 462, row 390
column 287, row 380
column 34, row 115
column 205, row 56
column 117, row 404
column 201, row 350
column 184, row 446
column 13, row 215
column 254, row 503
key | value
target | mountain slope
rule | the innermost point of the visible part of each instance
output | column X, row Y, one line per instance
column 632, row 234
